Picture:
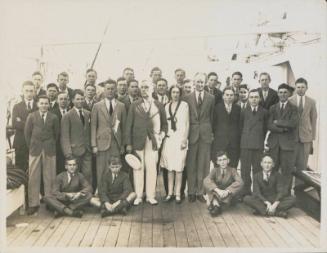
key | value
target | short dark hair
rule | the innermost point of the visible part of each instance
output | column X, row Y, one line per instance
column 131, row 81
column 70, row 158
column 109, row 81
column 212, row 74
column 65, row 74
column 43, row 97
column 265, row 74
column 266, row 155
column 244, row 86
column 52, row 85
column 179, row 69
column 301, row 80
column 91, row 70
column 171, row 89
column 128, row 68
column 187, row 80
column 221, row 153
column 89, row 84
column 28, row 83
column 77, row 92
column 155, row 69
column 228, row 88
column 115, row 160
column 254, row 90
column 237, row 73
column 62, row 92
column 37, row 73
column 286, row 86
column 121, row 79
column 162, row 79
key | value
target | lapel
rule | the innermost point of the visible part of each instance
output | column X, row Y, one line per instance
column 104, row 109
column 307, row 105
column 76, row 117
column 195, row 104
column 140, row 109
column 205, row 102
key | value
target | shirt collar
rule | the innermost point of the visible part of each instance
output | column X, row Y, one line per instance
column 254, row 108
column 45, row 114
column 79, row 109
column 31, row 102
column 285, row 103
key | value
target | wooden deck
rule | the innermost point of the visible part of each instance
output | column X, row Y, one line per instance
column 166, row 225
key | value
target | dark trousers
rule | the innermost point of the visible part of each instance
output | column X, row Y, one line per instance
column 60, row 160
column 165, row 180
column 258, row 205
column 249, row 158
column 59, row 205
column 284, row 160
column 21, row 158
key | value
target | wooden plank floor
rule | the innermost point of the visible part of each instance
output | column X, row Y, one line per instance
column 165, row 225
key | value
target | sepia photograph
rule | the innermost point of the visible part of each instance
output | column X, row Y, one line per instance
column 166, row 125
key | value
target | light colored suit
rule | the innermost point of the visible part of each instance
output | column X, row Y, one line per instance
column 75, row 140
column 107, row 133
column 305, row 132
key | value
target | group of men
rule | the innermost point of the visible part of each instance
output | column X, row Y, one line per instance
column 88, row 131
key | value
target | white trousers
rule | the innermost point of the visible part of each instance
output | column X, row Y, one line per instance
column 149, row 159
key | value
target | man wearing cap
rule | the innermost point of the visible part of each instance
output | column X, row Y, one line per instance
column 146, row 126
column 107, row 128
column 282, row 123
column 116, row 193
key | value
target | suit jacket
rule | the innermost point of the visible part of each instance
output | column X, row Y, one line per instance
column 75, row 137
column 271, row 191
column 127, row 102
column 307, row 120
column 231, row 180
column 89, row 107
column 138, row 124
column 58, row 112
column 19, row 116
column 104, row 126
column 156, row 97
column 54, row 107
column 226, row 127
column 253, row 128
column 218, row 94
column 271, row 99
column 282, row 133
column 201, row 122
column 78, row 183
column 41, row 136
column 119, row 189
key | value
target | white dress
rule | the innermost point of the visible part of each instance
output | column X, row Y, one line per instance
column 172, row 156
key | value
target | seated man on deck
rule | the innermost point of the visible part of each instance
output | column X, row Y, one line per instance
column 116, row 192
column 269, row 195
column 70, row 192
column 222, row 184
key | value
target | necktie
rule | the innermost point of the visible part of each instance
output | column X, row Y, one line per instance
column 228, row 108
column 113, row 177
column 162, row 99
column 111, row 109
column 90, row 105
column 63, row 112
column 29, row 106
column 265, row 95
column 200, row 101
column 81, row 116
column 43, row 118
column 282, row 108
column 70, row 176
column 301, row 105
column 254, row 111
column 222, row 173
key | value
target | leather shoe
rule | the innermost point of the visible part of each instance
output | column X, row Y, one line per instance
column 56, row 214
column 201, row 198
column 105, row 213
column 216, row 210
column 78, row 213
column 191, row 198
column 32, row 210
column 68, row 211
column 282, row 214
column 152, row 201
column 168, row 198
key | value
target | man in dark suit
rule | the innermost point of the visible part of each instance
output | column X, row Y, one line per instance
column 268, row 96
column 90, row 97
column 133, row 93
column 41, row 134
column 237, row 79
column 116, row 193
column 37, row 79
column 121, row 88
column 70, row 192
column 306, row 132
column 75, row 135
column 107, row 128
column 146, row 127
column 52, row 92
column 19, row 116
column 282, row 123
column 211, row 87
column 269, row 197
column 60, row 111
column 222, row 184
column 155, row 75
column 63, row 80
column 253, row 131
column 201, row 106
column 161, row 93
column 226, row 128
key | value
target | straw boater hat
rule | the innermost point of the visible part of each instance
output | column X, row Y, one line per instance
column 134, row 161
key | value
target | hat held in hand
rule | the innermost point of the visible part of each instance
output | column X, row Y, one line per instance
column 134, row 161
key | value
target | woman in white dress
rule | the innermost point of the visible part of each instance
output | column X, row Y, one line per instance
column 175, row 145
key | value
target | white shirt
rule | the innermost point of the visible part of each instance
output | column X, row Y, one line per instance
column 197, row 95
column 65, row 90
column 265, row 94
column 77, row 110
column 266, row 175
column 52, row 103
column 243, row 105
column 62, row 111
column 280, row 104
column 45, row 115
column 87, row 101
column 162, row 99
column 298, row 100
column 113, row 102
column 30, row 103
column 70, row 176
column 254, row 108
column 228, row 107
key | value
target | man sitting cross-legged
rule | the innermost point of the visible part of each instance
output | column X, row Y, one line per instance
column 222, row 184
column 70, row 192
column 116, row 192
column 269, row 195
